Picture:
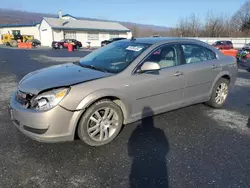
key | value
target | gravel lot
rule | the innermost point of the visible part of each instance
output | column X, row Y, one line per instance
column 196, row 146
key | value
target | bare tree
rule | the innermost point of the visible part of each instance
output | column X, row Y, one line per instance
column 173, row 32
column 241, row 17
column 183, row 28
column 194, row 25
column 188, row 27
column 215, row 25
column 134, row 30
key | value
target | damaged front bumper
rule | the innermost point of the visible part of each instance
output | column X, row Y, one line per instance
column 55, row 125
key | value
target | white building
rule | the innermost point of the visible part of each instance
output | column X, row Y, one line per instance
column 69, row 27
column 23, row 29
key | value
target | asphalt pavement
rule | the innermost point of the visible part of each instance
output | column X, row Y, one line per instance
column 196, row 146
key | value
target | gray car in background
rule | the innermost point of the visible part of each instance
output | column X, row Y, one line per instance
column 110, row 87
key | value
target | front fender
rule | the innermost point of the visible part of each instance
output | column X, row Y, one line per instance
column 102, row 93
column 124, row 103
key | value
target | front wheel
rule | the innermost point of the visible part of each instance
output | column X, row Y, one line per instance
column 219, row 93
column 101, row 123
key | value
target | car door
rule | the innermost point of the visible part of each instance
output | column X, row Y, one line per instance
column 220, row 45
column 228, row 46
column 160, row 90
column 201, row 68
column 225, row 44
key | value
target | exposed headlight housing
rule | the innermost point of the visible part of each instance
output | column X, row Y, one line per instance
column 48, row 100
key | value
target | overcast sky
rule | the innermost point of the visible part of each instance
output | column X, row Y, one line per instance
column 155, row 12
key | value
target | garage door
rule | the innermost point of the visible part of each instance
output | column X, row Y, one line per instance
column 46, row 37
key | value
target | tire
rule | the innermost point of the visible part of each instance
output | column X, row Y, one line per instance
column 86, row 123
column 13, row 43
column 61, row 47
column 215, row 103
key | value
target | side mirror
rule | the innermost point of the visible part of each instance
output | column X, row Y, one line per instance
column 150, row 66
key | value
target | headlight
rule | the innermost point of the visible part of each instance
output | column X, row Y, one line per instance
column 49, row 99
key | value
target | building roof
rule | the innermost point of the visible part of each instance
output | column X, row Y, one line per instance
column 18, row 25
column 57, row 23
column 64, row 15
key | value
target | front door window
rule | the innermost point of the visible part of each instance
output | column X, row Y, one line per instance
column 165, row 56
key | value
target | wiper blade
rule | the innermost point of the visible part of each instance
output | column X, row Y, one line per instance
column 96, row 68
column 76, row 62
column 90, row 67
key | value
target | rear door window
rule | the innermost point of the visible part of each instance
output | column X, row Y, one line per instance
column 195, row 53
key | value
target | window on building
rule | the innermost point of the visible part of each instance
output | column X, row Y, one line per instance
column 93, row 36
column 70, row 35
column 113, row 35
column 16, row 32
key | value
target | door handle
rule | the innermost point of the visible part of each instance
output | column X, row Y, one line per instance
column 214, row 66
column 178, row 73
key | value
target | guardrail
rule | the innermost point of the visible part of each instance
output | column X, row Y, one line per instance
column 237, row 42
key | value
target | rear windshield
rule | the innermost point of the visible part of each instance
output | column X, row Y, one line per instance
column 114, row 57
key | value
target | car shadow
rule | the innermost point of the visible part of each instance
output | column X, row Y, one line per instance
column 148, row 147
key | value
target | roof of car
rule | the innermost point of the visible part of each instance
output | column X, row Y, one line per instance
column 223, row 41
column 155, row 40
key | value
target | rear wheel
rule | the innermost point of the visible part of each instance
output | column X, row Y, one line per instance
column 101, row 123
column 219, row 93
column 13, row 43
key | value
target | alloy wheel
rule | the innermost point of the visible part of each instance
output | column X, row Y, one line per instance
column 102, row 124
column 221, row 93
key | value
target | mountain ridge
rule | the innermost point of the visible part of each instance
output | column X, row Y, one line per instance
column 9, row 16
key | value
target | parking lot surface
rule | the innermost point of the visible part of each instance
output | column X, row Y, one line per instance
column 196, row 146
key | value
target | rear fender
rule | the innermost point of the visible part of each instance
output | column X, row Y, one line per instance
column 219, row 76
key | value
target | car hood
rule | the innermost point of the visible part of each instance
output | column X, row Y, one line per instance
column 58, row 76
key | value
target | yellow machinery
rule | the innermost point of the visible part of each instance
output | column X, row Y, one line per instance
column 12, row 40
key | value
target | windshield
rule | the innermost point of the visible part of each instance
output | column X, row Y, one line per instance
column 114, row 57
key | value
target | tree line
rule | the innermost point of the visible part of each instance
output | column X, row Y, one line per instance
column 214, row 26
